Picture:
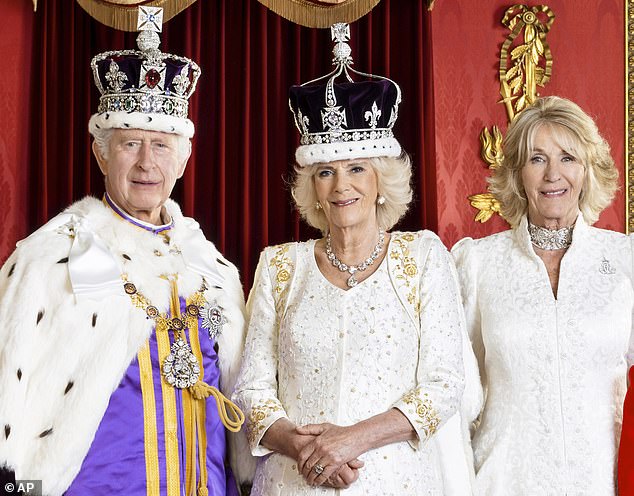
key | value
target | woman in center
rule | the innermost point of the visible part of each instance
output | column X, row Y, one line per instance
column 353, row 359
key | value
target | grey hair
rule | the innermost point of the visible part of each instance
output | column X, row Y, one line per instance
column 393, row 181
column 103, row 137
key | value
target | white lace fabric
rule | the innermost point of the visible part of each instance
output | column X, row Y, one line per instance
column 554, row 370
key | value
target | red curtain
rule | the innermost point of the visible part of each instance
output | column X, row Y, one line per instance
column 236, row 182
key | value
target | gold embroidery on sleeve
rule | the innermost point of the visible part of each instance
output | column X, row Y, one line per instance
column 258, row 414
column 427, row 417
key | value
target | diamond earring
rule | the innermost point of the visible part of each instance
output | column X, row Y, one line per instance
column 317, row 206
column 380, row 200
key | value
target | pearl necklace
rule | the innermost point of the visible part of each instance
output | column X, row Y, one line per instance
column 550, row 239
column 352, row 269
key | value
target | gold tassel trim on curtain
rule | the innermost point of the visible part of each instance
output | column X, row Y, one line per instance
column 122, row 14
column 319, row 14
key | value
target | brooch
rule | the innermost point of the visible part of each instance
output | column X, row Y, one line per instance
column 606, row 268
column 212, row 318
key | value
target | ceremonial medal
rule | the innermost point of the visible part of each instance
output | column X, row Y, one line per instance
column 181, row 368
column 212, row 318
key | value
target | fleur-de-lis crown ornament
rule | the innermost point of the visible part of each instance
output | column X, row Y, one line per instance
column 347, row 119
column 144, row 88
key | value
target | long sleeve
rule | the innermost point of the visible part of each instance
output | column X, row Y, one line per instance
column 466, row 268
column 256, row 389
column 440, row 372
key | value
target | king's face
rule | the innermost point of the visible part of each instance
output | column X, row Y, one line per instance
column 140, row 170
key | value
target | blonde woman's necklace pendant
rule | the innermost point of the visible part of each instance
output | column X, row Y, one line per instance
column 352, row 269
column 352, row 282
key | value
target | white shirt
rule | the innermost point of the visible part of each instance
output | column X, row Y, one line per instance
column 343, row 356
column 554, row 370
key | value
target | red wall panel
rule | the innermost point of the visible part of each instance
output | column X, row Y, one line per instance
column 588, row 49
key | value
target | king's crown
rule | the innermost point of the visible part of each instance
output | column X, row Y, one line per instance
column 145, row 80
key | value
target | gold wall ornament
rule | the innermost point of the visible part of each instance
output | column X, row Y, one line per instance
column 122, row 14
column 523, row 67
column 518, row 84
column 629, row 116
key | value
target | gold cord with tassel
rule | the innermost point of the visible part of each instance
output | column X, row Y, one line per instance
column 199, row 411
column 230, row 415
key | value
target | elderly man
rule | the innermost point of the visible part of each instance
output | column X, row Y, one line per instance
column 118, row 318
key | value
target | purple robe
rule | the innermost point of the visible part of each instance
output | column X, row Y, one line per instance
column 117, row 461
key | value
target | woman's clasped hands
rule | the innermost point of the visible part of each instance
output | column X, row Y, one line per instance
column 329, row 455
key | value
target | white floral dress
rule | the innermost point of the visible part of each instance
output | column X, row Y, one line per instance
column 554, row 370
column 330, row 355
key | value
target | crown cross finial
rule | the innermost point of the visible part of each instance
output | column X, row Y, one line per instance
column 150, row 19
column 340, row 33
column 149, row 24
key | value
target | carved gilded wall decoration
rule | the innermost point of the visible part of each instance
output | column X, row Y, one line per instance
column 525, row 64
column 629, row 116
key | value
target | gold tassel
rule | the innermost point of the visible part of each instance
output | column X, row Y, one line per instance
column 203, row 491
column 230, row 415
column 199, row 409
column 124, row 17
column 306, row 13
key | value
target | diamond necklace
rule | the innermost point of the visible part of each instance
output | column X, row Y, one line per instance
column 352, row 269
column 550, row 239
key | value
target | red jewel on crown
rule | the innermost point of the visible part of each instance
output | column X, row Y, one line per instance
column 152, row 78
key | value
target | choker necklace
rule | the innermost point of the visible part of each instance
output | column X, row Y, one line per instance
column 352, row 269
column 550, row 239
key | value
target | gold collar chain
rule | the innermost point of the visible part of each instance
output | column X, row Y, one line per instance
column 181, row 368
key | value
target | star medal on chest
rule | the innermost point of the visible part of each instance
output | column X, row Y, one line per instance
column 212, row 318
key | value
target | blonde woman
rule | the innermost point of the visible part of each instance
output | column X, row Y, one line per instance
column 549, row 310
column 353, row 359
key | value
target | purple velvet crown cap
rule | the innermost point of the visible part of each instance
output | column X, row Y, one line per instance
column 131, row 66
column 357, row 100
column 347, row 120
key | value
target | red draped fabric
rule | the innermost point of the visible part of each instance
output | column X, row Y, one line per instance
column 626, row 446
column 236, row 183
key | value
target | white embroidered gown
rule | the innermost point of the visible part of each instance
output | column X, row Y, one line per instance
column 343, row 356
column 554, row 370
